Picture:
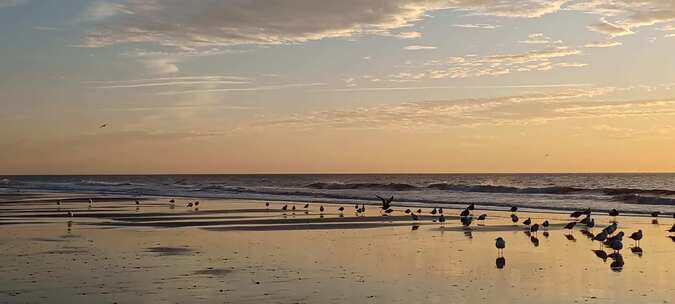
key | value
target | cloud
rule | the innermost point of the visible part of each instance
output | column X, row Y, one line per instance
column 502, row 64
column 626, row 15
column 100, row 10
column 245, row 89
column 419, row 47
column 515, row 110
column 483, row 26
column 409, row 35
column 161, row 65
column 603, row 44
column 539, row 38
column 166, row 81
column 190, row 24
column 11, row 3
column 611, row 29
column 434, row 115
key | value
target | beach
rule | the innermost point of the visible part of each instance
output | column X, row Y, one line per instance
column 240, row 251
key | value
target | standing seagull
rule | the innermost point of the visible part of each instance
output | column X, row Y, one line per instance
column 636, row 236
column 500, row 244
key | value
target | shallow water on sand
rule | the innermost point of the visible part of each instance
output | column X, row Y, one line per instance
column 238, row 252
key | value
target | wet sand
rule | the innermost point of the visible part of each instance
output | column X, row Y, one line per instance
column 241, row 252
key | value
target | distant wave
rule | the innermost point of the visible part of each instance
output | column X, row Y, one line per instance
column 490, row 189
column 107, row 184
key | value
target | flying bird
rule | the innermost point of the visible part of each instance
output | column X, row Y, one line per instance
column 386, row 202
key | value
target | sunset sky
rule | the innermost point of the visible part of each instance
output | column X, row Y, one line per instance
column 314, row 86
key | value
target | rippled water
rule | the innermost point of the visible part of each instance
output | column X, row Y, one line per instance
column 627, row 192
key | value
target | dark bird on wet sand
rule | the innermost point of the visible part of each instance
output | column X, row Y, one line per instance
column 500, row 243
column 386, row 202
column 414, row 217
column 307, row 206
column 613, row 212
column 321, row 209
column 189, row 205
column 600, row 237
column 471, row 207
column 440, row 210
column 419, row 211
column 636, row 236
column 576, row 214
column 433, row 212
column 441, row 219
column 656, row 214
column 58, row 203
column 482, row 217
column 341, row 209
column 284, row 208
column 196, row 203
column 545, row 224
column 514, row 218
column 534, row 228
column 616, row 245
column 408, row 211
column 611, row 228
column 570, row 225
column 172, row 201
column 138, row 203
column 293, row 208
column 465, row 212
column 527, row 222
column 514, row 209
column 103, row 126
column 267, row 205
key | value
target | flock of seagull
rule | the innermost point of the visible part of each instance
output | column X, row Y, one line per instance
column 608, row 237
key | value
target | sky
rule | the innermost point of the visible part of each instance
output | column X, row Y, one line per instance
column 352, row 86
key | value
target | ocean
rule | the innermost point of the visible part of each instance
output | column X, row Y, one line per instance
column 638, row 193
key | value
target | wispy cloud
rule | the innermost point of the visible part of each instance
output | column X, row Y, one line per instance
column 409, row 35
column 246, row 89
column 419, row 47
column 602, row 44
column 539, row 38
column 11, row 3
column 482, row 26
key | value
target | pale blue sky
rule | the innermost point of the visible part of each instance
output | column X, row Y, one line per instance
column 220, row 74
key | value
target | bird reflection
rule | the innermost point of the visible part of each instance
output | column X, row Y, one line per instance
column 468, row 234
column 535, row 241
column 415, row 227
column 617, row 264
column 655, row 221
column 637, row 251
column 500, row 262
column 545, row 234
column 570, row 237
column 601, row 254
column 672, row 238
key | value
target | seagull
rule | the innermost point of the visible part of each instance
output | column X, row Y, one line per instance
column 570, row 225
column 613, row 213
column 500, row 244
column 576, row 214
column 527, row 222
column 611, row 228
column 514, row 218
column 514, row 209
column 616, row 245
column 91, row 202
column 466, row 220
column 482, row 217
column 386, row 202
column 293, row 208
column 636, row 236
column 600, row 237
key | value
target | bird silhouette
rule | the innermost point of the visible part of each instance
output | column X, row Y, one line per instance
column 570, row 225
column 514, row 218
column 636, row 236
column 433, row 212
column 672, row 229
column 465, row 212
column 103, row 126
column 386, row 202
column 611, row 228
column 545, row 224
column 534, row 228
column 414, row 217
column 482, row 217
column 616, row 245
column 613, row 213
column 500, row 262
column 284, row 208
column 576, row 214
column 408, row 211
column 500, row 243
column 514, row 209
column 527, row 222
column 471, row 207
column 656, row 214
